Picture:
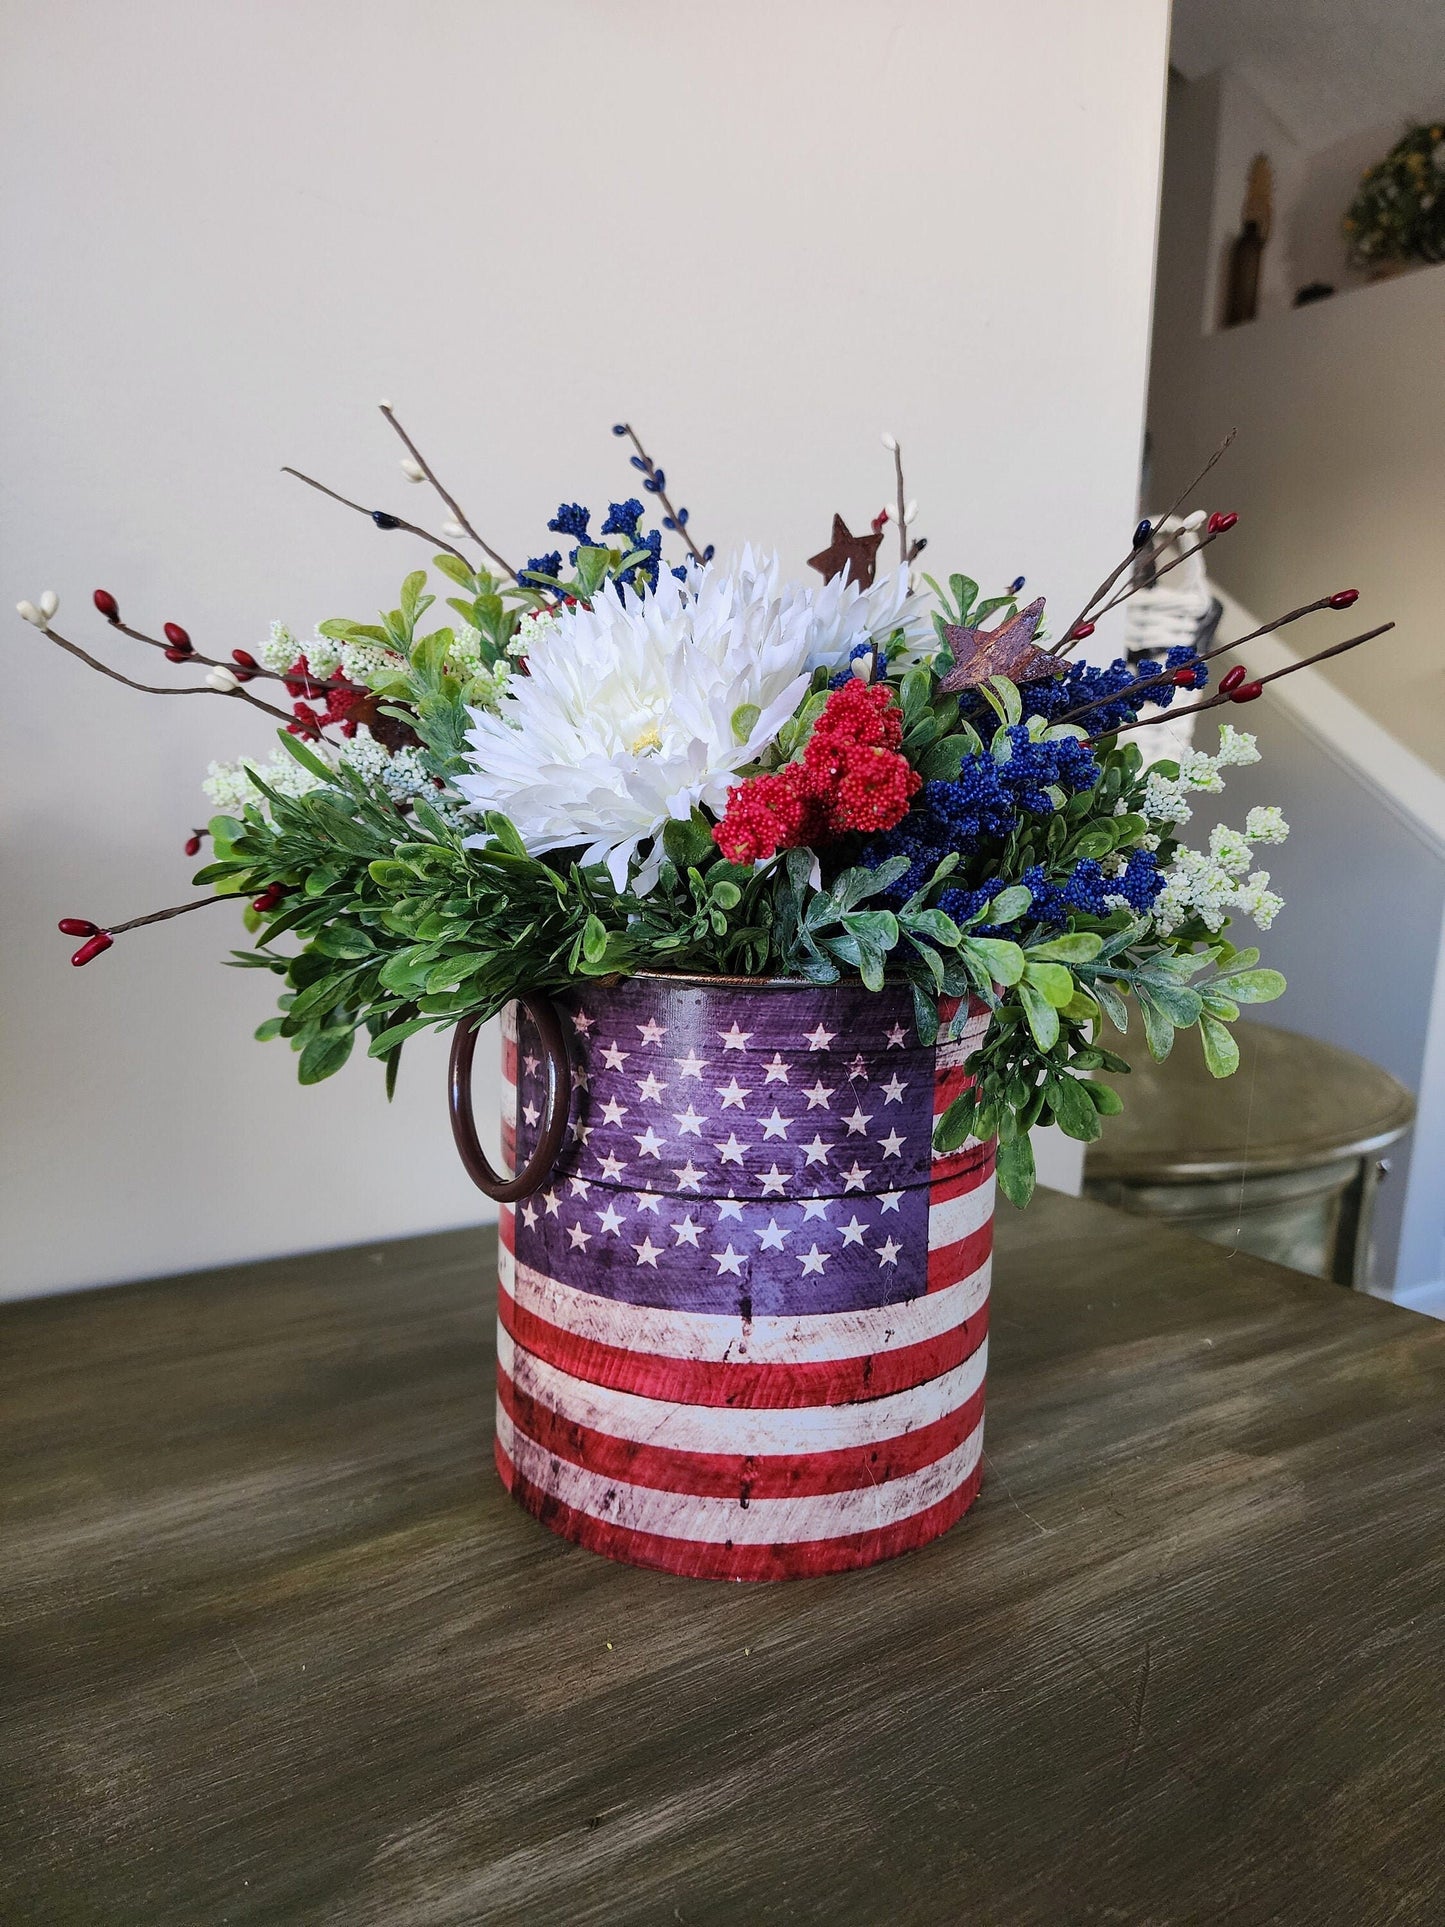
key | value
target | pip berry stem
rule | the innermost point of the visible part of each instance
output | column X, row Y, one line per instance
column 1230, row 696
column 164, row 916
column 1208, row 655
column 649, row 469
column 1133, row 589
column 903, row 555
column 252, row 671
column 383, row 518
column 451, row 501
column 1157, row 535
column 160, row 689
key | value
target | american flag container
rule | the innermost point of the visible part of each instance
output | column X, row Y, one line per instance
column 742, row 1327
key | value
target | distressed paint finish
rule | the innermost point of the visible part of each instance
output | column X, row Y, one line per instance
column 742, row 1334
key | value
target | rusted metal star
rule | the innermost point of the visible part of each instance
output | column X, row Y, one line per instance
column 848, row 554
column 1006, row 651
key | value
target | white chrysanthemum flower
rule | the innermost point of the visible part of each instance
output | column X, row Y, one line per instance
column 841, row 615
column 1266, row 825
column 641, row 708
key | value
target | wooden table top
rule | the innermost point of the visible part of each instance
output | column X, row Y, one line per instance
column 277, row 1648
column 1293, row 1102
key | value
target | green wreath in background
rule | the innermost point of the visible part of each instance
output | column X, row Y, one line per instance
column 1399, row 212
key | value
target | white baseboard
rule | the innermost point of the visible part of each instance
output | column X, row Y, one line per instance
column 1428, row 1297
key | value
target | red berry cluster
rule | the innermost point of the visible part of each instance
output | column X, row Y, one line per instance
column 96, row 939
column 852, row 777
column 1235, row 684
column 345, row 704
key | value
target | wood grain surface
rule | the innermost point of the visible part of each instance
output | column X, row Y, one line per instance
column 276, row 1647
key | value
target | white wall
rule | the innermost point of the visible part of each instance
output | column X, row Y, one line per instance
column 764, row 232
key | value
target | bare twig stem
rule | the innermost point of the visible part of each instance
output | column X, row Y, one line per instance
column 1207, row 655
column 392, row 521
column 1065, row 642
column 315, row 685
column 1134, row 587
column 1214, row 702
column 164, row 916
column 649, row 469
column 160, row 689
column 903, row 555
column 451, row 501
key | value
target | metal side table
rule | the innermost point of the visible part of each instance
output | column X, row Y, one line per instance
column 1281, row 1160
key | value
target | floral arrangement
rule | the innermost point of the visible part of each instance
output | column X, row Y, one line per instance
column 1399, row 211
column 601, row 763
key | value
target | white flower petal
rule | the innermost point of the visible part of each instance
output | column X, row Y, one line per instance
column 626, row 715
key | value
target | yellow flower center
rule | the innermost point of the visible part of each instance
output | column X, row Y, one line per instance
column 651, row 738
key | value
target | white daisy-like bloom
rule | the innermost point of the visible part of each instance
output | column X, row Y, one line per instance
column 643, row 707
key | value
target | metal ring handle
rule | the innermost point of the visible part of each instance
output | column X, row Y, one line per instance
column 559, row 1100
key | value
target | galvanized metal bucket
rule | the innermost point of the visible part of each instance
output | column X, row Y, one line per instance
column 742, row 1308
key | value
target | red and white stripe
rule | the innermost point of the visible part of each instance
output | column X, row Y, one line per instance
column 764, row 1448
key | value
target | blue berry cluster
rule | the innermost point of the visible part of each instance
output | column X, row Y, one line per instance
column 623, row 519
column 549, row 565
column 1085, row 682
column 1086, row 889
column 654, row 481
column 984, row 805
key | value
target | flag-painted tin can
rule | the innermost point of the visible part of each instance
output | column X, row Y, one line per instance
column 742, row 1325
